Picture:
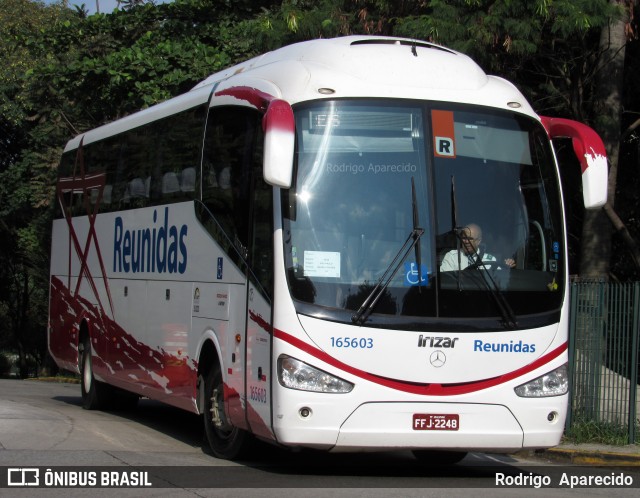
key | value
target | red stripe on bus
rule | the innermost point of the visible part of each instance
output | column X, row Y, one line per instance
column 421, row 388
column 257, row 98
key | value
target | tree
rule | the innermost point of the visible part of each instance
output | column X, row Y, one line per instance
column 23, row 184
column 599, row 225
column 568, row 58
column 66, row 73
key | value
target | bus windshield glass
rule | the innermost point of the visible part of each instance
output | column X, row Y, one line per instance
column 480, row 184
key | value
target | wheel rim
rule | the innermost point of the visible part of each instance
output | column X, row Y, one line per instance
column 218, row 420
column 87, row 374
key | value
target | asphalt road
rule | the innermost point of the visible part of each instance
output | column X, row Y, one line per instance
column 43, row 426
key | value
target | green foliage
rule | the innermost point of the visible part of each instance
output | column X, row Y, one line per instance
column 21, row 22
column 65, row 72
column 549, row 47
column 107, row 66
column 591, row 431
column 25, row 178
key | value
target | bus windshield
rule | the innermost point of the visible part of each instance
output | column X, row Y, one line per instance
column 480, row 183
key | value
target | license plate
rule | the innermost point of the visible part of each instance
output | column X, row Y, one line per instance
column 436, row 422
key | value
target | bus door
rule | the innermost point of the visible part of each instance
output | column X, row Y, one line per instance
column 241, row 204
column 259, row 323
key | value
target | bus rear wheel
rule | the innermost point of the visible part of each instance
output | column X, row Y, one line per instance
column 225, row 440
column 94, row 393
column 436, row 457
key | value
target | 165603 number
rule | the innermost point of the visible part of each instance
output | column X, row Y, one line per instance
column 258, row 394
column 352, row 342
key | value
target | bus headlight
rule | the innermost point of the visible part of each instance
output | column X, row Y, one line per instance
column 296, row 374
column 555, row 383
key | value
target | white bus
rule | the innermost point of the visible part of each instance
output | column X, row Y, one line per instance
column 265, row 251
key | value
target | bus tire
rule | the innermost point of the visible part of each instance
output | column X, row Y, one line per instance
column 94, row 393
column 225, row 440
column 439, row 457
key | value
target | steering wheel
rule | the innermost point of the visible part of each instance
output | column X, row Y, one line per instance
column 482, row 265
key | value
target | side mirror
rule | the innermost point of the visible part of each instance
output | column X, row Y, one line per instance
column 590, row 151
column 278, row 124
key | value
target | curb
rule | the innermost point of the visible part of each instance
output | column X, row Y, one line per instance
column 591, row 457
column 57, row 380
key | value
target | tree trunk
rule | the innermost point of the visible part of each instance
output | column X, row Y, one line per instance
column 597, row 229
column 621, row 229
column 22, row 323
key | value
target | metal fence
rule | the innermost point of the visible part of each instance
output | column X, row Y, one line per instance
column 603, row 354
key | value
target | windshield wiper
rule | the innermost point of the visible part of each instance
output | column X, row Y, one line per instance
column 454, row 228
column 416, row 225
column 508, row 316
column 413, row 239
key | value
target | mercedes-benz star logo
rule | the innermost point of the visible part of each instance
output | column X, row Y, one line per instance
column 438, row 358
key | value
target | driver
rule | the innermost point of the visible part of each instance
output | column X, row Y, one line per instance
column 470, row 252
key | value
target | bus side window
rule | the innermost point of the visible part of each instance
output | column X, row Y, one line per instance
column 234, row 190
column 65, row 170
column 227, row 163
column 106, row 155
column 188, row 179
column 179, row 147
column 261, row 246
column 121, row 182
column 170, row 183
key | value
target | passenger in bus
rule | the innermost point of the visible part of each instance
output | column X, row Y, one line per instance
column 224, row 178
column 471, row 253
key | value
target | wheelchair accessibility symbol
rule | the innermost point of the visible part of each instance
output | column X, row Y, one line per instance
column 411, row 277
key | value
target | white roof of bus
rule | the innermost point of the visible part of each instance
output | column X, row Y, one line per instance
column 350, row 66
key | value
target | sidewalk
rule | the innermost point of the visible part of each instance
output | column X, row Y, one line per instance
column 593, row 454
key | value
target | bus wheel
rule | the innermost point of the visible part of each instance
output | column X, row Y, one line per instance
column 435, row 457
column 225, row 440
column 94, row 393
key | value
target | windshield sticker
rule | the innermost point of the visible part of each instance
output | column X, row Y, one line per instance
column 411, row 274
column 321, row 264
column 443, row 134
